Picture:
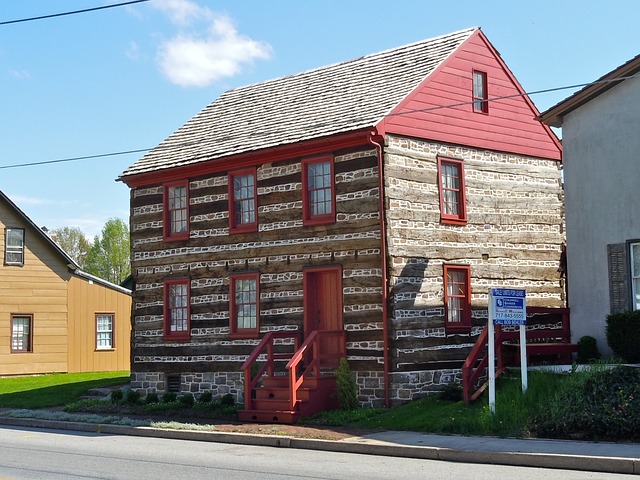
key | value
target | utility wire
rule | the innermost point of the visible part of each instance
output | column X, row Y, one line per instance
column 42, row 17
column 160, row 147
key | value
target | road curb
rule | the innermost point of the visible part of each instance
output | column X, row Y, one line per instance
column 353, row 445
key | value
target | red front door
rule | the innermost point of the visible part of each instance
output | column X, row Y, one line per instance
column 323, row 308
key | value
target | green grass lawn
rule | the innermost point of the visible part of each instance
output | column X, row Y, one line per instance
column 58, row 389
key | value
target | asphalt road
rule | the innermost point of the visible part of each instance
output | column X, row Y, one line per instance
column 29, row 453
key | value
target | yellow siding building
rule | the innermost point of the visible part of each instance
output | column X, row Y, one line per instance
column 53, row 316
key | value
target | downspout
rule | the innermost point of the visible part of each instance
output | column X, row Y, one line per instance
column 376, row 141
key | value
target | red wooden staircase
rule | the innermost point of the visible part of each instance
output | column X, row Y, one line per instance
column 279, row 392
column 547, row 340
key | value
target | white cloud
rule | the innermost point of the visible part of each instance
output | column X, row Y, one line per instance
column 23, row 200
column 20, row 74
column 207, row 47
column 133, row 51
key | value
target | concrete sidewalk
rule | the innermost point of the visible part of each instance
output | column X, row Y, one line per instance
column 561, row 454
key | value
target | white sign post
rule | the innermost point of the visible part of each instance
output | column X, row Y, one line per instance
column 507, row 306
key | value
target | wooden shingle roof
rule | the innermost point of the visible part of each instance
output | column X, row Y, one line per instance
column 330, row 100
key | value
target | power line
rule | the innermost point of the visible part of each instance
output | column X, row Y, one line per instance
column 439, row 107
column 42, row 17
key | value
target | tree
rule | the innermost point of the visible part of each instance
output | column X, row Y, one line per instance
column 72, row 241
column 109, row 256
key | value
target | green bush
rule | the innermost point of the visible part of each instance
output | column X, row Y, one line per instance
column 346, row 385
column 587, row 350
column 116, row 396
column 152, row 397
column 600, row 404
column 132, row 396
column 187, row 399
column 623, row 335
column 169, row 397
column 227, row 400
column 205, row 397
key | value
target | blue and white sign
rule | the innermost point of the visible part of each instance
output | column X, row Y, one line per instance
column 509, row 306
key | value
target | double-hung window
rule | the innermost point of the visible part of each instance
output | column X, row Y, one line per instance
column 244, row 305
column 14, row 246
column 177, row 309
column 176, row 211
column 243, row 201
column 480, row 94
column 318, row 190
column 453, row 208
column 635, row 275
column 104, row 331
column 457, row 296
column 21, row 333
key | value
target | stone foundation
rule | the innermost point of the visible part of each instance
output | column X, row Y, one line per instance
column 218, row 383
column 370, row 388
column 407, row 386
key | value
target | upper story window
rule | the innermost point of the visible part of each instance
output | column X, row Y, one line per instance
column 453, row 208
column 244, row 305
column 243, row 201
column 318, row 190
column 14, row 246
column 21, row 333
column 177, row 309
column 104, row 331
column 457, row 296
column 176, row 211
column 480, row 92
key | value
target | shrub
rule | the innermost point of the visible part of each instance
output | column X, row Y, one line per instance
column 169, row 397
column 116, row 396
column 346, row 384
column 187, row 399
column 205, row 397
column 587, row 350
column 623, row 335
column 227, row 400
column 132, row 396
column 151, row 397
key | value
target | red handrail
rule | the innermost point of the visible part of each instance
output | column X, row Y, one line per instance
column 312, row 344
column 267, row 343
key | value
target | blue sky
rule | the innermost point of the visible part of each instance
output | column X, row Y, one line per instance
column 124, row 78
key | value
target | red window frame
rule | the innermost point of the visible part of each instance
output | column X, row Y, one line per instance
column 453, row 201
column 29, row 337
column 311, row 189
column 457, row 297
column 480, row 92
column 244, row 298
column 236, row 226
column 113, row 330
column 169, row 233
column 171, row 309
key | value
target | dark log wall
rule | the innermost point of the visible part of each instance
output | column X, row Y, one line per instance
column 513, row 238
column 279, row 251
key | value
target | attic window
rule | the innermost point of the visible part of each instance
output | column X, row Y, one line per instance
column 14, row 246
column 480, row 94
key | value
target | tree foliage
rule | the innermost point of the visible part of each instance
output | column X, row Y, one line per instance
column 74, row 242
column 109, row 256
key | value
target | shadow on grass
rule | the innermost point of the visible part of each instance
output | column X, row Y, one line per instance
column 56, row 395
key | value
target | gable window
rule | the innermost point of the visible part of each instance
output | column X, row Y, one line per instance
column 457, row 296
column 176, row 211
column 480, row 94
column 14, row 246
column 243, row 201
column 453, row 208
column 318, row 190
column 244, row 305
column 104, row 331
column 21, row 333
column 176, row 309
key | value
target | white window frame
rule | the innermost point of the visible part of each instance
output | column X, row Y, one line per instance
column 104, row 336
column 635, row 275
column 12, row 250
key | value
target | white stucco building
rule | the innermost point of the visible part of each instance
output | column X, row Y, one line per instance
column 601, row 138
